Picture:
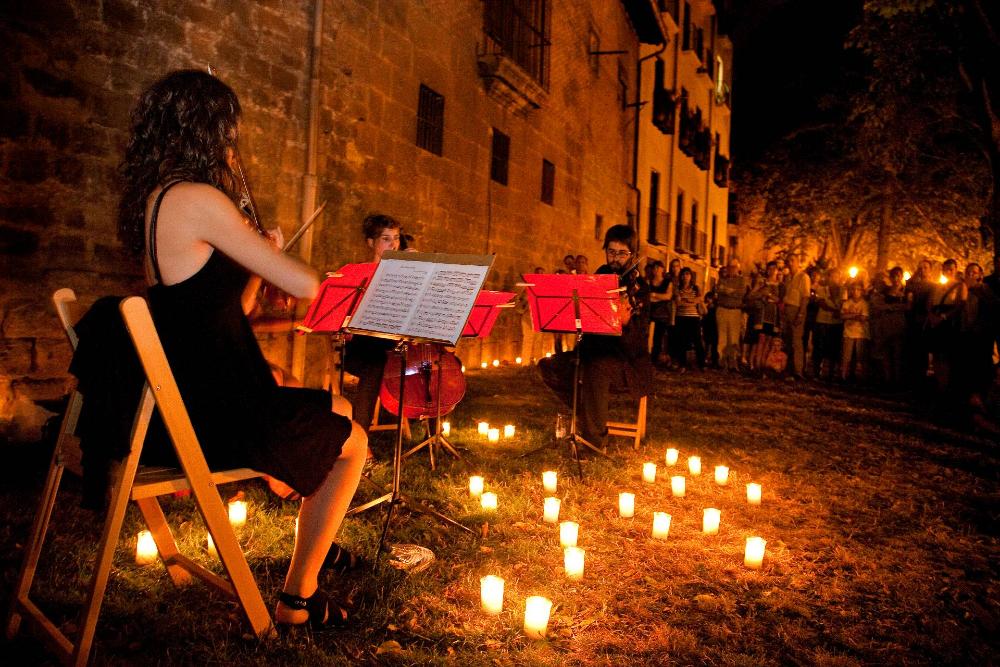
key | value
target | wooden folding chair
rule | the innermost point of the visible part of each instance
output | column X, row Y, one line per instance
column 129, row 481
column 634, row 429
column 376, row 425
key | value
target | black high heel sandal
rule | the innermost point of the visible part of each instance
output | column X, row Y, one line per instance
column 322, row 614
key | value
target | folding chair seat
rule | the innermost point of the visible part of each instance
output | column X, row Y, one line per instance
column 130, row 481
column 376, row 425
column 631, row 429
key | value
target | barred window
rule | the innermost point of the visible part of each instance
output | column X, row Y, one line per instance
column 500, row 157
column 430, row 120
column 548, row 182
column 519, row 30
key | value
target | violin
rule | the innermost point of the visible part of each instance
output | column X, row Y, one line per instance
column 433, row 382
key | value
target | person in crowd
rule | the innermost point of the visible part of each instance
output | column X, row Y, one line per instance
column 888, row 326
column 828, row 329
column 992, row 282
column 918, row 291
column 710, row 330
column 179, row 216
column 608, row 363
column 766, row 315
column 812, row 309
column 582, row 265
column 569, row 264
column 749, row 322
column 796, row 298
column 731, row 292
column 855, row 313
column 531, row 340
column 944, row 307
column 689, row 308
column 670, row 344
column 661, row 308
column 976, row 335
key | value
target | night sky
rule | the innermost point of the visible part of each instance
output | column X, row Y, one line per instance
column 789, row 56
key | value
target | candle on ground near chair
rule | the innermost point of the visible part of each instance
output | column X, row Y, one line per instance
column 536, row 616
column 694, row 465
column 483, row 428
column 753, row 494
column 671, row 456
column 496, row 363
column 677, row 486
column 753, row 557
column 721, row 475
column 476, row 485
column 626, row 505
column 508, row 431
column 661, row 525
column 549, row 481
column 493, row 435
column 488, row 501
column 649, row 472
column 710, row 521
column 573, row 563
column 446, row 428
column 569, row 532
column 517, row 360
column 210, row 543
column 491, row 594
column 237, row 513
column 145, row 548
column 550, row 514
column 484, row 365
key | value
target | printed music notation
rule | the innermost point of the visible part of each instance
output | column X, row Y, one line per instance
column 416, row 296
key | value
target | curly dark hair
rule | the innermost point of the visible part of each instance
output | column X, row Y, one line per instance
column 375, row 223
column 182, row 128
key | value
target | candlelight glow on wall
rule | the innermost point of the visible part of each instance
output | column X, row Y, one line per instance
column 649, row 472
column 710, row 521
column 671, row 456
column 753, row 493
column 753, row 556
column 721, row 475
column 549, row 481
column 677, row 486
column 569, row 533
column 145, row 548
column 694, row 465
column 573, row 563
column 626, row 505
column 550, row 514
column 476, row 486
column 237, row 513
column 508, row 431
column 488, row 501
column 491, row 594
column 536, row 616
column 661, row 525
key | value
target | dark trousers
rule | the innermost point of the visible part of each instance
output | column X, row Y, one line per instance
column 365, row 357
column 659, row 337
column 688, row 332
column 600, row 376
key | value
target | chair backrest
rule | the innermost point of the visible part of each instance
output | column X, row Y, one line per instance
column 65, row 301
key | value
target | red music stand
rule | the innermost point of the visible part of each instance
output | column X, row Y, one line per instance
column 568, row 303
column 484, row 315
column 334, row 305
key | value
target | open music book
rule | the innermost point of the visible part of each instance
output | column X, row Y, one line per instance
column 421, row 296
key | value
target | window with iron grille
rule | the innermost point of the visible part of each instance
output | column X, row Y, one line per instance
column 430, row 120
column 693, row 242
column 654, row 205
column 686, row 27
column 519, row 30
column 679, row 241
column 500, row 157
column 548, row 182
column 598, row 226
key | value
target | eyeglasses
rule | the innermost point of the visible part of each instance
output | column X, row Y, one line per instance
column 618, row 253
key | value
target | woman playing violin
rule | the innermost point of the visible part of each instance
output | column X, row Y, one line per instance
column 178, row 215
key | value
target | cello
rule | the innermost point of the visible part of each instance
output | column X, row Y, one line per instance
column 433, row 382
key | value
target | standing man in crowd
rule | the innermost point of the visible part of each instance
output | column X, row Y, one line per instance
column 731, row 291
column 797, row 292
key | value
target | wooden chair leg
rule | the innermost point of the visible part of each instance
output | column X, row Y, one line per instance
column 152, row 514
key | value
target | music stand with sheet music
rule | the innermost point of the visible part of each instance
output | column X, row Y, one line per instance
column 417, row 298
column 333, row 307
column 484, row 315
column 568, row 303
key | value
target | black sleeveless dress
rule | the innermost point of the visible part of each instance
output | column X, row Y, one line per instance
column 240, row 414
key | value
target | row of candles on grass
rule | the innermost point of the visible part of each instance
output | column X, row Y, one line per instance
column 145, row 548
column 496, row 362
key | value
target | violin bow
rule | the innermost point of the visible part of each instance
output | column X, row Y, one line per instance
column 305, row 225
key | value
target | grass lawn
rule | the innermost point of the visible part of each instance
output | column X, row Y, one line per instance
column 881, row 529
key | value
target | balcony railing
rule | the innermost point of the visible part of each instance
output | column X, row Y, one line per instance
column 519, row 30
column 683, row 241
column 700, row 244
column 659, row 225
column 721, row 175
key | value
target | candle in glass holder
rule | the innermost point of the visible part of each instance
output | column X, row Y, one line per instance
column 484, row 365
column 721, row 475
column 446, row 428
column 753, row 494
column 551, row 511
column 549, row 481
column 569, row 531
column 496, row 363
column 694, row 465
column 661, row 525
column 237, row 513
column 649, row 472
column 573, row 563
column 145, row 548
column 671, row 456
column 493, row 435
column 753, row 557
column 210, row 543
column 484, row 428
column 491, row 594
column 508, row 431
column 710, row 521
column 536, row 616
column 626, row 505
column 488, row 501
column 476, row 486
column 517, row 360
column 677, row 486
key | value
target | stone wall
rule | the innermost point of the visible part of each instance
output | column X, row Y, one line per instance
column 72, row 70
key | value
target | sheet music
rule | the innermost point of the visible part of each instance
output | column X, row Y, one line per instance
column 417, row 295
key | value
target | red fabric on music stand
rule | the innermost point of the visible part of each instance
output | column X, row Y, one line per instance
column 485, row 313
column 338, row 297
column 550, row 297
